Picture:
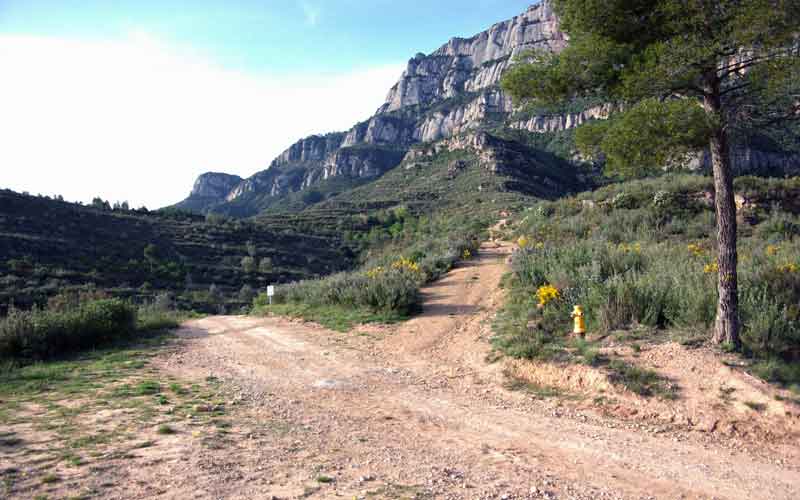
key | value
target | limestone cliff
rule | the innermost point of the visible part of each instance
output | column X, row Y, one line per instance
column 210, row 189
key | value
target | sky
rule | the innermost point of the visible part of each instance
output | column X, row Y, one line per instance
column 131, row 100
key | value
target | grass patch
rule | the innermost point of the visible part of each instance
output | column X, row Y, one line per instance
column 325, row 479
column 148, row 388
column 50, row 479
column 166, row 430
column 641, row 381
column 756, row 407
column 337, row 318
column 514, row 383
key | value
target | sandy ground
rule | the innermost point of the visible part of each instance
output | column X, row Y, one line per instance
column 416, row 411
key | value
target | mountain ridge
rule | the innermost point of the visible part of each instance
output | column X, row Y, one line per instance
column 452, row 90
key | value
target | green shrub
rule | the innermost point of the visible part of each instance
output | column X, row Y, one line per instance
column 388, row 282
column 43, row 334
column 636, row 267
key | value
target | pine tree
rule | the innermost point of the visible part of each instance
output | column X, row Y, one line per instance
column 685, row 75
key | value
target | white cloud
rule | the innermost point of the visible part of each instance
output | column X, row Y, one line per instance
column 138, row 121
column 312, row 13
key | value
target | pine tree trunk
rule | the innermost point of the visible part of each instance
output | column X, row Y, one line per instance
column 726, row 330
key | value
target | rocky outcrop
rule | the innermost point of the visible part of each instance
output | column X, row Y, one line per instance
column 748, row 161
column 311, row 149
column 382, row 129
column 214, row 185
column 447, row 122
column 557, row 123
column 209, row 189
column 356, row 163
column 473, row 64
column 524, row 169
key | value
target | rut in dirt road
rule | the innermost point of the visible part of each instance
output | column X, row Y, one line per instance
column 414, row 410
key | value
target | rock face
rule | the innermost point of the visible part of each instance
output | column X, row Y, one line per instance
column 477, row 63
column 209, row 189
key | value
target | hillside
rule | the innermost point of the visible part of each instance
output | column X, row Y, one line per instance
column 50, row 246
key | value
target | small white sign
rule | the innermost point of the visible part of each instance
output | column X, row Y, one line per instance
column 271, row 291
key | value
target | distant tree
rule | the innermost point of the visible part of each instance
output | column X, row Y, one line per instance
column 163, row 302
column 687, row 73
column 151, row 254
column 265, row 266
column 125, row 206
column 249, row 264
column 189, row 281
column 100, row 203
column 214, row 294
column 216, row 219
column 246, row 294
column 312, row 197
column 252, row 250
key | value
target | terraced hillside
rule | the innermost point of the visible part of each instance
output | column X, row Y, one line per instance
column 49, row 246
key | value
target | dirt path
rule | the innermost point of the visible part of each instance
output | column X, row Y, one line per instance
column 416, row 411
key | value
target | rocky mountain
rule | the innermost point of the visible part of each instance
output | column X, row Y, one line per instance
column 453, row 91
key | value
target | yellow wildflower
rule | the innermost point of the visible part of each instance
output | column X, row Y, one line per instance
column 466, row 255
column 522, row 242
column 773, row 249
column 403, row 264
column 789, row 268
column 546, row 294
column 712, row 268
column 695, row 250
column 375, row 272
column 627, row 248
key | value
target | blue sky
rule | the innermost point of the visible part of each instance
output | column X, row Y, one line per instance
column 103, row 95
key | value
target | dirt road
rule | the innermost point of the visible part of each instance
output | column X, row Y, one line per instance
column 416, row 411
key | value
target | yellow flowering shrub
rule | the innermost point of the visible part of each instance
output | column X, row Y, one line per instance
column 547, row 294
column 403, row 264
column 696, row 250
column 628, row 248
column 374, row 273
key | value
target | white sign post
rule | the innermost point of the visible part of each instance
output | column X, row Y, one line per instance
column 270, row 293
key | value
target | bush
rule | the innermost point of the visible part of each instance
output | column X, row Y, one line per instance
column 388, row 283
column 42, row 334
column 653, row 266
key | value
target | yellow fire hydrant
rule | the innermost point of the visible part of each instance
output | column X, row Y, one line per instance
column 580, row 322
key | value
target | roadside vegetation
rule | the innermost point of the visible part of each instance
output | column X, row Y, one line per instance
column 640, row 258
column 74, row 322
column 386, row 288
